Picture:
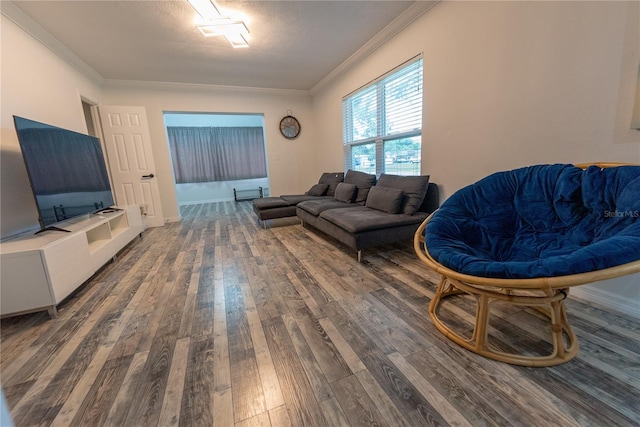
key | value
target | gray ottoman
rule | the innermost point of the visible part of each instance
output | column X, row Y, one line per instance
column 273, row 207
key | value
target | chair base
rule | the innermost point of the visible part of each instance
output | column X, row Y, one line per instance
column 550, row 302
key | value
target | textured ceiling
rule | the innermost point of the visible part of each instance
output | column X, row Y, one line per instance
column 293, row 44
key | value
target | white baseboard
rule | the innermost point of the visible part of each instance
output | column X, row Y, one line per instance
column 172, row 219
column 607, row 300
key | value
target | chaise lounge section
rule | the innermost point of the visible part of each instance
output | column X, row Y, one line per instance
column 267, row 208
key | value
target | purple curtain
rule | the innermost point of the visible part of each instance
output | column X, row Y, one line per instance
column 206, row 154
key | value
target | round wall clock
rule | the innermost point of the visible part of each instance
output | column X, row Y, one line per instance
column 290, row 127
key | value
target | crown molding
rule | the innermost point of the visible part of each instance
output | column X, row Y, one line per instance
column 199, row 87
column 411, row 14
column 31, row 27
column 22, row 20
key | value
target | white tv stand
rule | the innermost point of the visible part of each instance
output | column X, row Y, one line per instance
column 38, row 271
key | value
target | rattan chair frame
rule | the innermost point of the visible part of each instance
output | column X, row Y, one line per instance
column 545, row 294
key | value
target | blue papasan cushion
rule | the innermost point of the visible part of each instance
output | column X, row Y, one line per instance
column 540, row 221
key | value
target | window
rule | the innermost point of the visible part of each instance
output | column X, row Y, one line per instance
column 382, row 123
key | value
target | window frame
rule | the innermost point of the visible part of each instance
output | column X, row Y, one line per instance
column 381, row 136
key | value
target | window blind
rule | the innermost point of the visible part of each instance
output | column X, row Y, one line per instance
column 388, row 107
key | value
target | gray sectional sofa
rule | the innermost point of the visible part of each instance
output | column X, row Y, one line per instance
column 360, row 212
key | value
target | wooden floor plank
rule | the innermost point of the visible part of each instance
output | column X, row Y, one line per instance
column 296, row 388
column 148, row 398
column 269, row 378
column 249, row 400
column 449, row 412
column 324, row 350
column 356, row 403
column 397, row 386
column 171, row 403
column 222, row 408
column 348, row 355
column 121, row 404
column 383, row 402
column 313, row 371
column 280, row 417
column 69, row 366
column 95, row 405
column 214, row 320
column 197, row 393
column 260, row 420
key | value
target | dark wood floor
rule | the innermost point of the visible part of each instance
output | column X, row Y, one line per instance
column 216, row 321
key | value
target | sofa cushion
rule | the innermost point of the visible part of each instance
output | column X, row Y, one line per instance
column 385, row 199
column 361, row 218
column 270, row 202
column 345, row 192
column 540, row 221
column 294, row 199
column 431, row 200
column 318, row 190
column 332, row 179
column 363, row 182
column 414, row 188
column 273, row 213
column 317, row 206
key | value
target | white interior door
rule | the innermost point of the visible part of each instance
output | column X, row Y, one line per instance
column 128, row 144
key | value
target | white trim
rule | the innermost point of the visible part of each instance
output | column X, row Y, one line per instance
column 198, row 87
column 31, row 27
column 412, row 13
column 607, row 300
column 172, row 219
column 22, row 20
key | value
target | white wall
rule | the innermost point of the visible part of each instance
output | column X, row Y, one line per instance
column 219, row 191
column 36, row 84
column 205, row 192
column 290, row 163
column 509, row 84
column 212, row 119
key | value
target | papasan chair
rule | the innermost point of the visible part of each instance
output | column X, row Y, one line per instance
column 525, row 237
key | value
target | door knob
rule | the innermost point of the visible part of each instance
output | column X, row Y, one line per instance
column 148, row 176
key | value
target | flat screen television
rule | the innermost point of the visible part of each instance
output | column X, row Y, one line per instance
column 67, row 172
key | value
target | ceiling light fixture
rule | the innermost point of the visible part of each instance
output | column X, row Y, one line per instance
column 217, row 25
column 236, row 40
column 223, row 27
column 205, row 8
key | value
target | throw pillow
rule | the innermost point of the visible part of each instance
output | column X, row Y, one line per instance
column 345, row 192
column 414, row 188
column 332, row 179
column 318, row 190
column 363, row 181
column 385, row 199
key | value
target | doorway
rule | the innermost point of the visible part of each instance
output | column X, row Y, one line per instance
column 216, row 155
column 87, row 109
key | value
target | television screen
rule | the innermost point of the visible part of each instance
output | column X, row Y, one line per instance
column 66, row 169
